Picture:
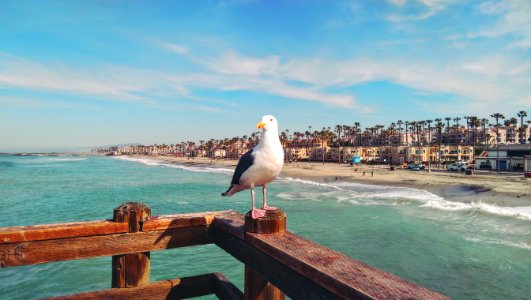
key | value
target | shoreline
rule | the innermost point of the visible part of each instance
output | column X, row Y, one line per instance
column 500, row 189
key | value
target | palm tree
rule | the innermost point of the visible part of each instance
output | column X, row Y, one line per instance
column 448, row 119
column 429, row 144
column 339, row 128
column 440, row 126
column 357, row 127
column 456, row 119
column 400, row 122
column 522, row 114
column 484, row 122
column 308, row 135
column 474, row 123
column 407, row 140
column 497, row 116
column 467, row 127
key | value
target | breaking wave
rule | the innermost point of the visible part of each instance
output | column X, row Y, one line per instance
column 46, row 160
column 366, row 194
column 197, row 168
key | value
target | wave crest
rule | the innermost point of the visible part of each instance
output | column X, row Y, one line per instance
column 154, row 162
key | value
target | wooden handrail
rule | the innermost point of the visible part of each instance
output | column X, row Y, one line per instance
column 101, row 227
column 300, row 268
column 179, row 288
column 303, row 269
column 27, row 245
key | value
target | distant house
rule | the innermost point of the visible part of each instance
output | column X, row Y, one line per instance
column 515, row 157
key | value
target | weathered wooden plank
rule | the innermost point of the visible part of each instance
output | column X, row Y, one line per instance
column 180, row 220
column 231, row 222
column 65, row 230
column 290, row 282
column 167, row 289
column 26, row 253
column 224, row 289
column 180, row 288
column 131, row 270
column 18, row 234
column 337, row 272
column 340, row 275
column 256, row 287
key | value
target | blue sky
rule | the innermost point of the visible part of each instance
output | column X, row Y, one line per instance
column 76, row 74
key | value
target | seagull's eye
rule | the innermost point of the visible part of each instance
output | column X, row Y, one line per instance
column 271, row 120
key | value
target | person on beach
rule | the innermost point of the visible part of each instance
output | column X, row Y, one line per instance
column 372, row 173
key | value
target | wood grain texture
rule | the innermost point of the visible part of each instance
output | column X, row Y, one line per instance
column 131, row 270
column 314, row 266
column 65, row 230
column 256, row 287
column 27, row 253
column 274, row 221
column 179, row 288
column 18, row 234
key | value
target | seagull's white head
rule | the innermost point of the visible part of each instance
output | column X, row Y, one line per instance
column 268, row 123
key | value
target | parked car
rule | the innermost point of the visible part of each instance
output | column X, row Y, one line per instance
column 457, row 167
column 414, row 166
column 527, row 174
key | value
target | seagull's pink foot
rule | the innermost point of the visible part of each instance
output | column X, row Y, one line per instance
column 257, row 213
column 265, row 207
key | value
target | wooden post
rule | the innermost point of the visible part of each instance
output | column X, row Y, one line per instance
column 131, row 270
column 256, row 287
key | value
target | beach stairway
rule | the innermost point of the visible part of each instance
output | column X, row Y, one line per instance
column 276, row 261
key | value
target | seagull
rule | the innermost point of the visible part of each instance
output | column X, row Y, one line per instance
column 260, row 165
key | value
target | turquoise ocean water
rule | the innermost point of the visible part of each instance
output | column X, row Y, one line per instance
column 463, row 250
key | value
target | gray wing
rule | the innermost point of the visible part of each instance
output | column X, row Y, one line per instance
column 245, row 162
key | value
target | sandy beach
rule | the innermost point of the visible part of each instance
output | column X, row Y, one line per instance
column 505, row 189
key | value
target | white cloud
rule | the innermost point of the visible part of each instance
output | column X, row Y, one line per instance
column 234, row 63
column 515, row 22
column 492, row 80
column 492, row 7
column 428, row 8
column 179, row 49
column 398, row 2
column 32, row 103
column 26, row 74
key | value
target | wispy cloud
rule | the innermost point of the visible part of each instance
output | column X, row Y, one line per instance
column 397, row 2
column 486, row 80
column 233, row 63
column 21, row 73
column 179, row 49
column 32, row 103
column 492, row 7
column 515, row 22
column 425, row 9
column 492, row 79
column 265, row 75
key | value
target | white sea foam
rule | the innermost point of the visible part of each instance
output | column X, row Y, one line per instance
column 366, row 194
column 308, row 182
column 154, row 162
column 521, row 212
column 47, row 159
column 485, row 240
column 356, row 193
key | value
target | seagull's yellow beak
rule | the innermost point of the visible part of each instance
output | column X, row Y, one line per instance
column 261, row 125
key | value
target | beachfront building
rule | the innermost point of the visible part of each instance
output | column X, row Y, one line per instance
column 509, row 157
column 447, row 154
column 395, row 155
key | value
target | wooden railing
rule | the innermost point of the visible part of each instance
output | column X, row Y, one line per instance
column 277, row 262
